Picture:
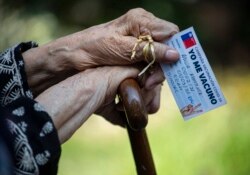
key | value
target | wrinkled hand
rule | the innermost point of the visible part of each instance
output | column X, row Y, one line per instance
column 106, row 44
column 73, row 100
column 111, row 43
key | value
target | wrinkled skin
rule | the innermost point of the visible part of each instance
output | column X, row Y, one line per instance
column 73, row 100
column 106, row 44
column 78, row 75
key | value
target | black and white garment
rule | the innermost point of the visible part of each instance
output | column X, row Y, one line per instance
column 26, row 130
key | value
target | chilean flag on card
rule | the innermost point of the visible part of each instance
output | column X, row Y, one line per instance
column 188, row 40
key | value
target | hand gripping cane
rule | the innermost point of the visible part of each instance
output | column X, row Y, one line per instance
column 137, row 119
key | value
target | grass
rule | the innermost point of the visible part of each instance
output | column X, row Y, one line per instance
column 216, row 143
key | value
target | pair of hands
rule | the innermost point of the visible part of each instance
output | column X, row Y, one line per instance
column 78, row 75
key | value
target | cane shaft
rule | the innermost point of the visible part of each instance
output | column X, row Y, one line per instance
column 137, row 120
column 141, row 152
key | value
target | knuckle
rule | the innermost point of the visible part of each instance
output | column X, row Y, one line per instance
column 176, row 28
column 137, row 12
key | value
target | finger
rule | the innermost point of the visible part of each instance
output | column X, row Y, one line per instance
column 162, row 30
column 151, row 98
column 154, row 105
column 111, row 114
column 142, row 22
column 156, row 78
column 147, row 96
column 163, row 53
column 116, row 118
column 159, row 29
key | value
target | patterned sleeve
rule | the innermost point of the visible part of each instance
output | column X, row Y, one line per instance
column 32, row 138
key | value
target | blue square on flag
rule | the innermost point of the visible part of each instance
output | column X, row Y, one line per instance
column 188, row 39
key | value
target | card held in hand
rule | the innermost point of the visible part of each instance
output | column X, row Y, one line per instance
column 191, row 78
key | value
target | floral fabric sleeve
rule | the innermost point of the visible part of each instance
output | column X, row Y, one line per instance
column 35, row 147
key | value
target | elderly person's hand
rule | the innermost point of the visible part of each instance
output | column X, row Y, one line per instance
column 73, row 100
column 106, row 44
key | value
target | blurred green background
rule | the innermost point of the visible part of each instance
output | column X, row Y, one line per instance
column 216, row 143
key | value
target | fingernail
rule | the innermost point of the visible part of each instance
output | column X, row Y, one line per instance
column 172, row 55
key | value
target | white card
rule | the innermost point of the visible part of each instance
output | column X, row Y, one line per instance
column 191, row 79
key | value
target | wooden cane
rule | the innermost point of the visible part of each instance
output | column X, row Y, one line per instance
column 137, row 119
